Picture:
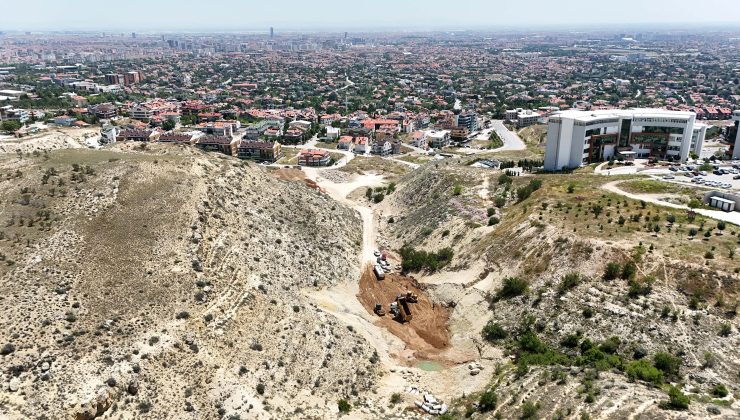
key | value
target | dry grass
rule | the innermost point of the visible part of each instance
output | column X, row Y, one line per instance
column 361, row 164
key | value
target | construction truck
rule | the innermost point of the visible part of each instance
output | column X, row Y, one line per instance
column 401, row 310
column 379, row 309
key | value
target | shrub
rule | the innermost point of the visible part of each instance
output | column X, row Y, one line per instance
column 457, row 189
column 493, row 221
column 644, row 371
column 671, row 218
column 629, row 270
column 571, row 188
column 693, row 232
column 182, row 315
column 611, row 271
column 667, row 363
column 611, row 345
column 344, row 406
column 570, row 341
column 524, row 192
column 487, row 401
column 512, row 287
column 568, row 282
column 504, row 179
column 725, row 330
column 7, row 349
column 709, row 254
column 676, row 400
column 500, row 202
column 529, row 410
column 377, row 198
column 261, row 389
column 395, row 398
column 414, row 260
column 588, row 313
column 490, row 211
column 369, row 193
column 493, row 332
column 641, row 288
column 720, row 391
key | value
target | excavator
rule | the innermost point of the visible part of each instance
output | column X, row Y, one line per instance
column 411, row 297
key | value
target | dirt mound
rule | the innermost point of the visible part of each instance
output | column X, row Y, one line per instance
column 289, row 174
column 427, row 332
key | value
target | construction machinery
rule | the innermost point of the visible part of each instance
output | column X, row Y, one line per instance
column 411, row 297
column 379, row 311
column 400, row 309
column 379, row 272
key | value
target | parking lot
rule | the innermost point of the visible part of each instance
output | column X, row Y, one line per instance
column 707, row 179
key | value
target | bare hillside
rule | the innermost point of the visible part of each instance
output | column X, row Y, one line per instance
column 163, row 282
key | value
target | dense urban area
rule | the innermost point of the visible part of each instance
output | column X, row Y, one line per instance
column 447, row 225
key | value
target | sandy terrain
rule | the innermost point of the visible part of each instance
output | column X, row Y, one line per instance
column 58, row 138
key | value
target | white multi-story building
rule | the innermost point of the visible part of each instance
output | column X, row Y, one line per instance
column 522, row 117
column 576, row 138
column 735, row 129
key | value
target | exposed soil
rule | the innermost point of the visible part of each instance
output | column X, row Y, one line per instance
column 426, row 334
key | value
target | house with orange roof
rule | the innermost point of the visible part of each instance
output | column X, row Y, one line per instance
column 314, row 157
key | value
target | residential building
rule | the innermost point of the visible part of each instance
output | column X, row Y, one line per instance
column 294, row 135
column 419, row 139
column 175, row 138
column 576, row 138
column 314, row 157
column 361, row 145
column 395, row 147
column 332, row 133
column 104, row 111
column 64, row 120
column 381, row 148
column 438, row 139
column 522, row 117
column 108, row 133
column 213, row 143
column 263, row 151
column 137, row 135
column 9, row 113
column 468, row 120
column 345, row 143
column 459, row 133
column 253, row 132
column 218, row 128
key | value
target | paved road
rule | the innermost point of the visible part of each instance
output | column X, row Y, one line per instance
column 511, row 140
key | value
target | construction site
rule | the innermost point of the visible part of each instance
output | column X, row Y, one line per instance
column 407, row 312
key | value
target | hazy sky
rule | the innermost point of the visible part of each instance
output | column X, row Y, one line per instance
column 341, row 15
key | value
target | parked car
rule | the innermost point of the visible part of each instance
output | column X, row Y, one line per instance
column 736, row 177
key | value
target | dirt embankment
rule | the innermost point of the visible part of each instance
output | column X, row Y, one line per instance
column 426, row 334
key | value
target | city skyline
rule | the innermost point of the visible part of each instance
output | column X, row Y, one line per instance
column 332, row 15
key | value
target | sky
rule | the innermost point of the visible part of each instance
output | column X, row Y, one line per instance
column 359, row 16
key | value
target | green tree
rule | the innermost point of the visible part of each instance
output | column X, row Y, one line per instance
column 487, row 401
column 493, row 332
column 676, row 399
